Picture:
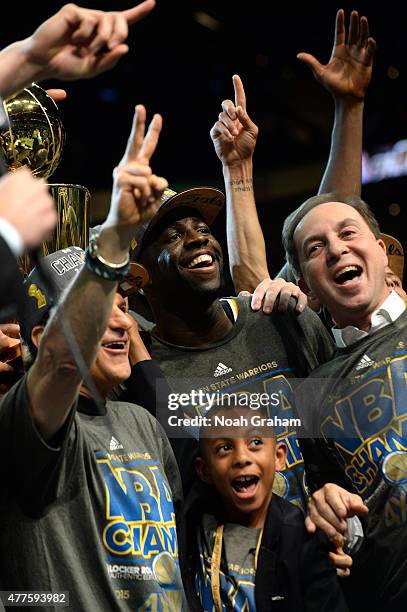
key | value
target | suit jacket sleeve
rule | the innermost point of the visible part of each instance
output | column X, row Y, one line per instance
column 10, row 276
column 320, row 584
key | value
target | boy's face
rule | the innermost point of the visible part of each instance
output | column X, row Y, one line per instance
column 240, row 462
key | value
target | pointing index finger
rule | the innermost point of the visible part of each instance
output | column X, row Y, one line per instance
column 240, row 97
column 138, row 12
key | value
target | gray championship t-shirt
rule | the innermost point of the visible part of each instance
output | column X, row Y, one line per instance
column 356, row 405
column 260, row 355
column 238, row 566
column 92, row 511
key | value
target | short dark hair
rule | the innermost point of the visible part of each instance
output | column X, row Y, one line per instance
column 291, row 222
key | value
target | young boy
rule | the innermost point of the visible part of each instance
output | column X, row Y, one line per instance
column 246, row 548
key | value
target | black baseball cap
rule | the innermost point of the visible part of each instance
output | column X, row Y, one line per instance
column 61, row 267
column 208, row 201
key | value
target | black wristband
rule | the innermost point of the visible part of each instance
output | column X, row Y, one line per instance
column 104, row 271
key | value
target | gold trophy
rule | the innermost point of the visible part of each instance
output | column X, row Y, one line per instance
column 73, row 206
column 35, row 138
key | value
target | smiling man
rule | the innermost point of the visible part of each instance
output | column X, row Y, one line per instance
column 177, row 264
column 357, row 402
column 342, row 257
column 111, row 364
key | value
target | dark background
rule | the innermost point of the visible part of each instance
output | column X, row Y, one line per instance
column 181, row 68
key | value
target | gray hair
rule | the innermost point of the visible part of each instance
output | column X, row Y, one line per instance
column 291, row 222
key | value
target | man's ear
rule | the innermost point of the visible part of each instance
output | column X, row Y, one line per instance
column 201, row 470
column 36, row 335
column 382, row 245
column 281, row 455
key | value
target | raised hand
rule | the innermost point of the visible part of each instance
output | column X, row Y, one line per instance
column 234, row 135
column 81, row 43
column 136, row 190
column 349, row 69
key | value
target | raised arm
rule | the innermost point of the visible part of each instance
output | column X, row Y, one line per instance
column 53, row 381
column 234, row 137
column 75, row 43
column 346, row 76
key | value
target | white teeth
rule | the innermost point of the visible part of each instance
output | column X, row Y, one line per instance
column 200, row 259
column 242, row 483
column 347, row 269
column 114, row 345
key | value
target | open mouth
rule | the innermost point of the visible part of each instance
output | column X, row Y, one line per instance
column 201, row 261
column 348, row 274
column 245, row 486
column 114, row 346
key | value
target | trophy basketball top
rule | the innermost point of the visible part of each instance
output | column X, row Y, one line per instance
column 35, row 136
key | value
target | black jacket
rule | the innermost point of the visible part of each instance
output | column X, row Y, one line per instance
column 10, row 283
column 293, row 570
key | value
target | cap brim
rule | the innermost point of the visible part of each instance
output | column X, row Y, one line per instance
column 395, row 254
column 206, row 200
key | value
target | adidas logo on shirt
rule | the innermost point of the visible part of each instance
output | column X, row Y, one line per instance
column 365, row 362
column 115, row 444
column 221, row 369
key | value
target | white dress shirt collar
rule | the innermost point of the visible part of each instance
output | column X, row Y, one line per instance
column 392, row 307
